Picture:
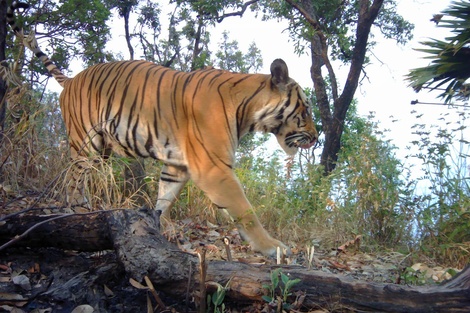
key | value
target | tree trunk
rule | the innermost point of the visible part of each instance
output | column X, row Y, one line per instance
column 125, row 12
column 195, row 63
column 75, row 232
column 333, row 122
column 144, row 252
column 3, row 104
column 332, row 145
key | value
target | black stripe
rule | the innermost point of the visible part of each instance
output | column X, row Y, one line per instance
column 169, row 180
column 224, row 108
column 173, row 97
column 241, row 110
column 149, row 143
column 295, row 108
column 155, row 124
column 160, row 80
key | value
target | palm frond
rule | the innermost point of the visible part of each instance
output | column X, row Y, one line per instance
column 450, row 59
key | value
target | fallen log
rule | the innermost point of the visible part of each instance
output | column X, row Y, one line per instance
column 144, row 252
column 82, row 232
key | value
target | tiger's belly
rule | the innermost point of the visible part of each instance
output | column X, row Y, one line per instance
column 145, row 142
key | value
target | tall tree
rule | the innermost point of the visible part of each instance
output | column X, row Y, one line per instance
column 187, row 45
column 124, row 9
column 199, row 16
column 338, row 30
column 231, row 58
column 3, row 104
column 450, row 58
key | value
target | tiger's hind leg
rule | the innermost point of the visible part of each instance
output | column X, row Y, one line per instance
column 75, row 183
column 81, row 166
column 172, row 180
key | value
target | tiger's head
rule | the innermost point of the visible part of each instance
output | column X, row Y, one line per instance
column 289, row 114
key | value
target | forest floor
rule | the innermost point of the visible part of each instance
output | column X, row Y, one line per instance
column 43, row 280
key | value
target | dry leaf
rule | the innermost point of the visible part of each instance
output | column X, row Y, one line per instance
column 108, row 292
column 355, row 242
column 22, row 281
column 7, row 189
column 149, row 305
column 137, row 285
column 213, row 234
column 340, row 266
column 7, row 296
column 6, row 308
column 34, row 269
column 84, row 308
column 212, row 248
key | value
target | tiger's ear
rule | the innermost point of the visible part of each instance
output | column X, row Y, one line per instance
column 279, row 73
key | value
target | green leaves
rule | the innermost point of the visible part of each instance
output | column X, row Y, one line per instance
column 72, row 29
column 230, row 58
column 280, row 288
column 217, row 299
column 338, row 20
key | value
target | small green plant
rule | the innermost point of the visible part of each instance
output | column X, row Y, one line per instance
column 413, row 277
column 280, row 289
column 217, row 299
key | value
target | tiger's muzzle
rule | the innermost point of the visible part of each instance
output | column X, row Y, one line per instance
column 302, row 140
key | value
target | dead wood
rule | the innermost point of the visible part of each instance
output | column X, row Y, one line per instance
column 144, row 252
column 82, row 232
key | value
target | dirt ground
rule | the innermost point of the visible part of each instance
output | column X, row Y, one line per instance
column 54, row 280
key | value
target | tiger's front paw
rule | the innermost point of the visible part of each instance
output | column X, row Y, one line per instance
column 269, row 246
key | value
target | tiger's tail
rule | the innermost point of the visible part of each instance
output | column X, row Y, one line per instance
column 31, row 43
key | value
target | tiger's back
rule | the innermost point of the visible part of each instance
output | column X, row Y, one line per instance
column 137, row 108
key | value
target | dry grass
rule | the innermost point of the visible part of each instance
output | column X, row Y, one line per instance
column 28, row 162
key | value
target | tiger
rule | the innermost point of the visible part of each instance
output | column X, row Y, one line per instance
column 191, row 121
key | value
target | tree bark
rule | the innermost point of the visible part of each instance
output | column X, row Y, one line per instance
column 73, row 232
column 3, row 87
column 125, row 11
column 144, row 252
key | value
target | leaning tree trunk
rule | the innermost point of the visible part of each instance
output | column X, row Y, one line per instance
column 145, row 253
column 3, row 104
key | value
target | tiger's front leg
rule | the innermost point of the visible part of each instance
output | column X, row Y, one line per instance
column 224, row 190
